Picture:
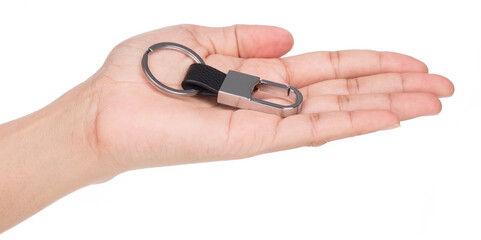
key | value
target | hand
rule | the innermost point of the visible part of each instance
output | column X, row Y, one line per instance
column 346, row 93
column 117, row 121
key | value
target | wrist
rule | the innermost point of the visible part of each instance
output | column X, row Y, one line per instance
column 74, row 116
column 49, row 154
column 62, row 134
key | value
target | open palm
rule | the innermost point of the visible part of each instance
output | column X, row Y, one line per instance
column 346, row 93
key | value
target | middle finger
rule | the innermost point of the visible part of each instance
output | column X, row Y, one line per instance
column 383, row 83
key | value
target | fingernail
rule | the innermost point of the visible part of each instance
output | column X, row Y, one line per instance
column 393, row 126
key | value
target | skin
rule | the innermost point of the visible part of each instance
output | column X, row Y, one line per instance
column 116, row 121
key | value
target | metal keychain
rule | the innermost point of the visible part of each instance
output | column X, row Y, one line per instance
column 237, row 88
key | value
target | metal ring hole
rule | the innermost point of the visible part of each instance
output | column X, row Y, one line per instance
column 159, row 85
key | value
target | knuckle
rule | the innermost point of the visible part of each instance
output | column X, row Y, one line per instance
column 334, row 58
column 352, row 86
column 343, row 102
column 315, row 136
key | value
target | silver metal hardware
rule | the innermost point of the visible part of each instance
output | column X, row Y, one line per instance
column 238, row 88
column 173, row 46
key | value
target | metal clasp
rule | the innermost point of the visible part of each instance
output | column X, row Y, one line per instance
column 238, row 88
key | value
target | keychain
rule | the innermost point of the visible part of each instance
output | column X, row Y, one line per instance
column 234, row 89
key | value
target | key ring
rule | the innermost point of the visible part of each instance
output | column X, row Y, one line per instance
column 234, row 89
column 172, row 46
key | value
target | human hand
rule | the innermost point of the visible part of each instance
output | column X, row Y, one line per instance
column 346, row 93
column 117, row 121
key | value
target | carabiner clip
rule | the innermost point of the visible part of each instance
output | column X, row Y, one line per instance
column 238, row 88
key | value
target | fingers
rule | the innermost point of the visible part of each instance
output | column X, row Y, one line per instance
column 318, row 128
column 327, row 118
column 309, row 68
column 383, row 83
column 313, row 68
column 403, row 105
column 245, row 41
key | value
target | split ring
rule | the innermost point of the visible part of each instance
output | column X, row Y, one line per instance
column 172, row 46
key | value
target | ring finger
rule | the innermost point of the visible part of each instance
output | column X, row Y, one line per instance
column 383, row 83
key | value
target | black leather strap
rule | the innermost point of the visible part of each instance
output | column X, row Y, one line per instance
column 204, row 78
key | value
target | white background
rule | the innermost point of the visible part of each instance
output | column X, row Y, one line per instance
column 420, row 181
